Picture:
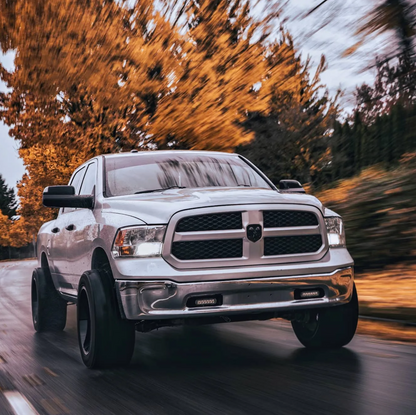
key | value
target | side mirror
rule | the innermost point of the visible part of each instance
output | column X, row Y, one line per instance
column 64, row 196
column 291, row 186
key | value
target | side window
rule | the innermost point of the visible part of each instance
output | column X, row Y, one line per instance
column 89, row 180
column 75, row 181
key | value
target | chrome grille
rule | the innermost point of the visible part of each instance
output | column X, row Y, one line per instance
column 288, row 218
column 217, row 236
column 212, row 222
column 289, row 245
column 216, row 249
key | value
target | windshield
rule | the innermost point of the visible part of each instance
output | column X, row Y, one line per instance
column 143, row 173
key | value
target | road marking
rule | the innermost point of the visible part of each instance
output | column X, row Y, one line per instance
column 19, row 403
column 54, row 406
column 50, row 372
column 33, row 380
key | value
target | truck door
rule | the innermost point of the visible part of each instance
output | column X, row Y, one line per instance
column 81, row 231
column 57, row 245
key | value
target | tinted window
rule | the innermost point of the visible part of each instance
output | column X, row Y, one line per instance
column 89, row 180
column 150, row 171
column 75, row 181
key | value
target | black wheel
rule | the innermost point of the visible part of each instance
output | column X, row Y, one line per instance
column 48, row 307
column 105, row 339
column 332, row 327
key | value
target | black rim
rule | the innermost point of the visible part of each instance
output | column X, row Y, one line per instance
column 35, row 303
column 84, row 322
column 311, row 326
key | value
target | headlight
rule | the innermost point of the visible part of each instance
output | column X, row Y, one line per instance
column 336, row 233
column 139, row 242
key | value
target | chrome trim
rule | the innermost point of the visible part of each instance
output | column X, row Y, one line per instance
column 147, row 300
column 209, row 235
column 252, row 251
column 294, row 231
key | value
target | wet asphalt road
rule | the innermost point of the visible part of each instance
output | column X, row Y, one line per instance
column 240, row 368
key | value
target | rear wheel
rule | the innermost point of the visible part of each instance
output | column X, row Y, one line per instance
column 105, row 339
column 48, row 308
column 332, row 327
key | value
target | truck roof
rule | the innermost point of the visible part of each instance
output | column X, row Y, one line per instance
column 166, row 152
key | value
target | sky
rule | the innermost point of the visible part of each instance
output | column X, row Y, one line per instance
column 330, row 30
column 336, row 21
column 11, row 166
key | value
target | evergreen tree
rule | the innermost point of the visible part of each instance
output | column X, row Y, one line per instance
column 292, row 140
column 8, row 203
column 398, row 121
column 357, row 137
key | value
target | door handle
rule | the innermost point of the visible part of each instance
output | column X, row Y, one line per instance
column 70, row 227
column 55, row 230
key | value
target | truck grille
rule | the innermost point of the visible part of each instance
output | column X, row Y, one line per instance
column 223, row 248
column 289, row 245
column 213, row 222
column 217, row 237
column 288, row 218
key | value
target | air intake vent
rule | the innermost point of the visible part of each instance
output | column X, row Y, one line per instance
column 288, row 218
column 212, row 222
column 289, row 245
column 213, row 249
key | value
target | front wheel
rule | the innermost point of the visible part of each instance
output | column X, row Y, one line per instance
column 332, row 327
column 104, row 338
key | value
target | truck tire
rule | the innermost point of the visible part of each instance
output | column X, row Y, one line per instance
column 104, row 338
column 332, row 327
column 48, row 308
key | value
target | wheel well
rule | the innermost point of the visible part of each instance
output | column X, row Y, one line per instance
column 100, row 260
column 44, row 264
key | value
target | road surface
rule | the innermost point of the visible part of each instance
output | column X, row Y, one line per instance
column 240, row 368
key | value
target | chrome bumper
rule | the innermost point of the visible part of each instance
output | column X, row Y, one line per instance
column 155, row 300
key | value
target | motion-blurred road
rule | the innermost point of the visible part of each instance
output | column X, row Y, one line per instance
column 245, row 368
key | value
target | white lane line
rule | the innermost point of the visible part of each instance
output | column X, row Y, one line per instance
column 19, row 403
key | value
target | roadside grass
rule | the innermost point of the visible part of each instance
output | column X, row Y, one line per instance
column 388, row 293
column 387, row 331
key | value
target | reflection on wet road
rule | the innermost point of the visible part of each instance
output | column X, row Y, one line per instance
column 240, row 368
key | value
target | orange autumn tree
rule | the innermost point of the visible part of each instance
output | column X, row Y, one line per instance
column 4, row 230
column 105, row 76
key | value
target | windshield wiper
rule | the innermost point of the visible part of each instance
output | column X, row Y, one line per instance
column 160, row 190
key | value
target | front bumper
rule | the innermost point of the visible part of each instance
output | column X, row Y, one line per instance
column 156, row 300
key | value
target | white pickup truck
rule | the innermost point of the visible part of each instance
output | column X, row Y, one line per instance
column 145, row 240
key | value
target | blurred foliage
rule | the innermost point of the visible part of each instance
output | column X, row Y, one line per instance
column 107, row 76
column 397, row 16
column 292, row 141
column 5, row 224
column 104, row 76
column 382, row 126
column 379, row 210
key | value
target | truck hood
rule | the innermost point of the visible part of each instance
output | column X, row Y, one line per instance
column 158, row 208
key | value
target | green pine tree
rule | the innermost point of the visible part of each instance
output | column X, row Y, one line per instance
column 8, row 203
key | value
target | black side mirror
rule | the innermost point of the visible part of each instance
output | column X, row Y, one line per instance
column 64, row 196
column 291, row 186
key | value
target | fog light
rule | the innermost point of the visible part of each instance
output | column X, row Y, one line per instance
column 204, row 301
column 307, row 294
column 208, row 301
